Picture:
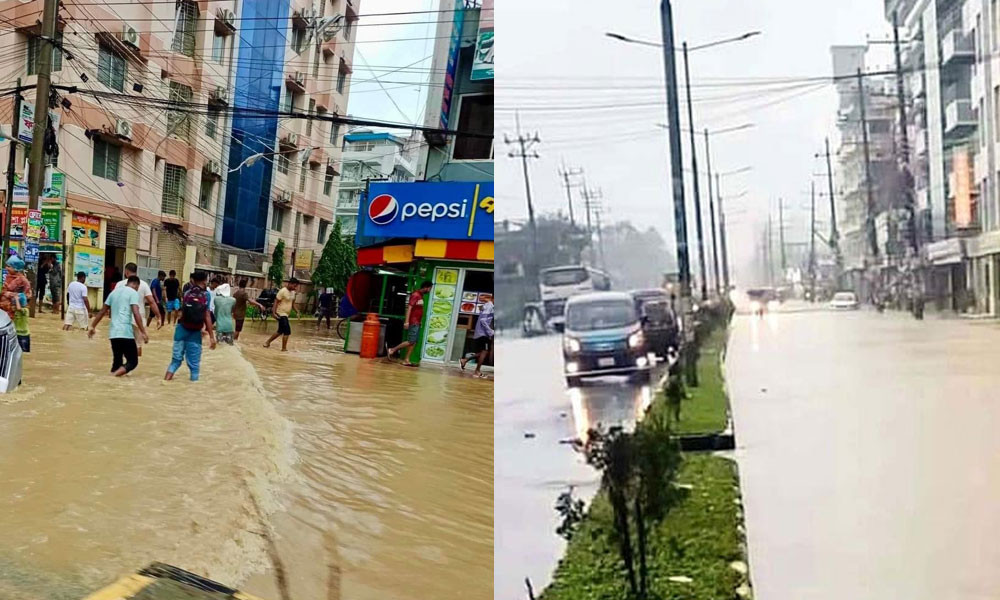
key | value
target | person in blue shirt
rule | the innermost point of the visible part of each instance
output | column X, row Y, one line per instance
column 123, row 306
column 156, row 288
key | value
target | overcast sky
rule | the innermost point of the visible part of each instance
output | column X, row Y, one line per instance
column 554, row 58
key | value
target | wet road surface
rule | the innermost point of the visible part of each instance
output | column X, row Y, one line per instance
column 535, row 416
column 867, row 446
column 376, row 480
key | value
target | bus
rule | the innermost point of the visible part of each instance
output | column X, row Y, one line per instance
column 556, row 285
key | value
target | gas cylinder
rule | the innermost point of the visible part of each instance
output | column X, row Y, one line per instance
column 369, row 336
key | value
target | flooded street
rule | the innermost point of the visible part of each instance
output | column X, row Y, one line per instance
column 377, row 480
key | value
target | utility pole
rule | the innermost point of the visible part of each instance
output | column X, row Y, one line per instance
column 586, row 193
column 904, row 154
column 812, row 241
column 590, row 198
column 834, row 234
column 722, row 238
column 524, row 152
column 694, row 171
column 600, row 234
column 11, row 168
column 674, row 137
column 870, row 217
column 711, row 216
column 36, row 172
column 781, row 236
column 566, row 174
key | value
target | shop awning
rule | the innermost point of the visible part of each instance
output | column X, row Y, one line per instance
column 395, row 252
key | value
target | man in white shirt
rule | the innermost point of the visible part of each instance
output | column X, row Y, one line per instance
column 146, row 298
column 78, row 311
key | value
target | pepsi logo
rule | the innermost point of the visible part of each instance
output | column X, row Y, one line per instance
column 383, row 209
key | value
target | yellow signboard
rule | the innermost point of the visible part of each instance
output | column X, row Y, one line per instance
column 303, row 259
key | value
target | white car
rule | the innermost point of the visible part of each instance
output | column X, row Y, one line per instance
column 844, row 301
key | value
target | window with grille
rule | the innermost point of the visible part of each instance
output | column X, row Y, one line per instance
column 341, row 78
column 475, row 115
column 287, row 102
column 321, row 236
column 179, row 121
column 218, row 47
column 174, row 182
column 211, row 123
column 334, row 133
column 277, row 219
column 302, row 179
column 327, row 184
column 309, row 122
column 185, row 27
column 34, row 48
column 110, row 68
column 107, row 159
column 282, row 163
column 298, row 40
column 205, row 194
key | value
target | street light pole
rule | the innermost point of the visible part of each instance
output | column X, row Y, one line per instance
column 694, row 170
column 674, row 139
column 722, row 237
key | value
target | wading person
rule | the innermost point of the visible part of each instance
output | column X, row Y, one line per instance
column 325, row 308
column 123, row 306
column 224, row 326
column 145, row 298
column 240, row 308
column 187, row 335
column 56, row 285
column 172, row 288
column 14, row 300
column 156, row 287
column 282, row 309
column 482, row 338
column 41, row 279
column 414, row 316
column 78, row 310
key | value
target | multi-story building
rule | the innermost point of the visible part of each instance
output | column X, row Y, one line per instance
column 152, row 159
column 868, row 236
column 369, row 155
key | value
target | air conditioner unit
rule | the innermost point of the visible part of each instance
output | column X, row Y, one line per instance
column 292, row 139
column 220, row 94
column 285, row 197
column 213, row 167
column 130, row 35
column 123, row 128
column 229, row 19
column 300, row 78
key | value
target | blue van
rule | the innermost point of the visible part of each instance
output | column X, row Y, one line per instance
column 603, row 336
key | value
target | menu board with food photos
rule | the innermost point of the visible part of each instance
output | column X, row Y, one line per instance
column 472, row 302
column 441, row 307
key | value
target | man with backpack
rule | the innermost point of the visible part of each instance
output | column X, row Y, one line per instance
column 187, row 334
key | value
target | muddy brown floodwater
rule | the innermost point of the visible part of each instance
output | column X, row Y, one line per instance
column 376, row 480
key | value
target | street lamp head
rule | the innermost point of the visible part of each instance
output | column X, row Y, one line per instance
column 617, row 36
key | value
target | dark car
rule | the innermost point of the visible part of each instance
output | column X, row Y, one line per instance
column 604, row 336
column 659, row 323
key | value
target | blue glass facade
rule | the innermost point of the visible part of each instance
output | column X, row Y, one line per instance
column 259, row 78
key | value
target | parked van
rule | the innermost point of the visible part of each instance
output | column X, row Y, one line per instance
column 603, row 336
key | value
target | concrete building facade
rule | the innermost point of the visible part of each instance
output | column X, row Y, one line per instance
column 370, row 155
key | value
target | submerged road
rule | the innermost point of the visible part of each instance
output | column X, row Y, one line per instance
column 534, row 415
column 868, row 453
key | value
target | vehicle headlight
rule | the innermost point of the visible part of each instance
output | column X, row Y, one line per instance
column 635, row 340
column 571, row 345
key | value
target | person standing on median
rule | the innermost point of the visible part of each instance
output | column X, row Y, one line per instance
column 123, row 306
column 187, row 334
column 78, row 310
column 282, row 309
column 413, row 318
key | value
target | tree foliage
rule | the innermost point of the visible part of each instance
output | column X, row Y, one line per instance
column 276, row 274
column 337, row 262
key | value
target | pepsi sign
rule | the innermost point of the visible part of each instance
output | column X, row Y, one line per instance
column 453, row 210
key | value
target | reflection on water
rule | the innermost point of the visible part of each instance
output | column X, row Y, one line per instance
column 607, row 405
column 384, row 473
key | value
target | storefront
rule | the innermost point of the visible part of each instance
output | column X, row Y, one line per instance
column 437, row 232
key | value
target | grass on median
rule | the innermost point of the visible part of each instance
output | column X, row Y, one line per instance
column 696, row 543
column 706, row 408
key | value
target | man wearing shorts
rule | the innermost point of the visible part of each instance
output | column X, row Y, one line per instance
column 414, row 317
column 171, row 288
column 282, row 308
column 240, row 308
column 145, row 298
column 482, row 338
column 78, row 310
